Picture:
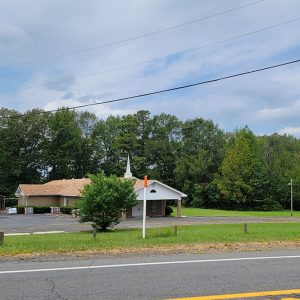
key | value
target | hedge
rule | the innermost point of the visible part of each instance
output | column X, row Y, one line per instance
column 20, row 209
column 41, row 209
column 36, row 209
column 67, row 209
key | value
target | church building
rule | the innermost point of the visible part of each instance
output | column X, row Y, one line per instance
column 66, row 192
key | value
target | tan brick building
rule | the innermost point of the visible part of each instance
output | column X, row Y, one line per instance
column 67, row 192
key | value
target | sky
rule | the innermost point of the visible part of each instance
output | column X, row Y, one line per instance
column 33, row 32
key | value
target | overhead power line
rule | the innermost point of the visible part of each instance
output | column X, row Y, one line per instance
column 155, row 59
column 170, row 89
column 49, row 58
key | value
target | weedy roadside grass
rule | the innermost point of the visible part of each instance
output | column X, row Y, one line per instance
column 203, row 212
column 156, row 237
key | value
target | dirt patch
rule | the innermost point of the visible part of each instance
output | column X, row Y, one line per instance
column 201, row 248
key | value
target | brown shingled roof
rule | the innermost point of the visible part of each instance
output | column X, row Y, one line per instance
column 64, row 187
column 29, row 189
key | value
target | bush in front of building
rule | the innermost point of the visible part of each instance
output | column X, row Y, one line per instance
column 67, row 209
column 20, row 209
column 41, row 209
column 168, row 210
column 36, row 209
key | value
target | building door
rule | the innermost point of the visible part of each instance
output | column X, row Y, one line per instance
column 155, row 208
column 137, row 211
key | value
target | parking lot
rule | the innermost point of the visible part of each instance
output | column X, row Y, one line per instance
column 39, row 223
column 48, row 222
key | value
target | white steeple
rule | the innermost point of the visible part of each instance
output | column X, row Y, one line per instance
column 128, row 173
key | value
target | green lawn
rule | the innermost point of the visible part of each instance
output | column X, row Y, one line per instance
column 197, row 212
column 122, row 239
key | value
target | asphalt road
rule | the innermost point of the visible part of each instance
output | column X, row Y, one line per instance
column 152, row 277
column 46, row 222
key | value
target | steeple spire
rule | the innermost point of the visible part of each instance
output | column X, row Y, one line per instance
column 128, row 173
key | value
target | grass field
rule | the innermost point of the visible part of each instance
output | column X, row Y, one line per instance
column 124, row 239
column 198, row 212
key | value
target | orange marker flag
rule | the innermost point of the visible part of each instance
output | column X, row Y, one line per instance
column 145, row 181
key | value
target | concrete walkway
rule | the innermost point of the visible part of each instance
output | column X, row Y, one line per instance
column 47, row 222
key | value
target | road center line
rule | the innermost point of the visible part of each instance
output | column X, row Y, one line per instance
column 245, row 295
column 152, row 264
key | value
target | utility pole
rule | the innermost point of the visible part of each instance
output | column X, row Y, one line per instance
column 291, row 184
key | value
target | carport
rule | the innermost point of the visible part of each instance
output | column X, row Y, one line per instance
column 6, row 202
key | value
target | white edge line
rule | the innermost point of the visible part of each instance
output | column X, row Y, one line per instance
column 48, row 232
column 152, row 264
column 16, row 234
column 36, row 232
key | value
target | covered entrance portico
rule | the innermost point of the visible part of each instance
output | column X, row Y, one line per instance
column 155, row 208
column 157, row 196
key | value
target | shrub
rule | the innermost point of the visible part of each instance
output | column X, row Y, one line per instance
column 168, row 210
column 103, row 200
column 41, row 209
column 67, row 210
column 36, row 209
column 268, row 204
column 20, row 209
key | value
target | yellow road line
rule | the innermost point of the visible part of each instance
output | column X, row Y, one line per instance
column 242, row 295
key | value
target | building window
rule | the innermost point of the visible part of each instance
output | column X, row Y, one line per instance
column 153, row 191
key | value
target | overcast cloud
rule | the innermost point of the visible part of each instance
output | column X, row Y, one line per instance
column 267, row 102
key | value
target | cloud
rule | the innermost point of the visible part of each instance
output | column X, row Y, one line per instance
column 295, row 131
column 265, row 101
column 10, row 35
column 61, row 83
column 281, row 113
column 102, row 111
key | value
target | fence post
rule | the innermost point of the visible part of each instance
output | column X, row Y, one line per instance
column 94, row 233
column 245, row 228
column 175, row 229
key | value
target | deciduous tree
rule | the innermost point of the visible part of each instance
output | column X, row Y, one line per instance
column 104, row 199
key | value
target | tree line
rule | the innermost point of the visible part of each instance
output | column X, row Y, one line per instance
column 216, row 169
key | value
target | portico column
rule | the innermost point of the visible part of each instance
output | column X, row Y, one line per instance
column 179, row 208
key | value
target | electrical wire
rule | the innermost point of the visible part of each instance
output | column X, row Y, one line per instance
column 168, row 90
column 129, row 39
column 154, row 59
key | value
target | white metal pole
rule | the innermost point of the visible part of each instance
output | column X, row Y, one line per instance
column 291, row 197
column 144, row 207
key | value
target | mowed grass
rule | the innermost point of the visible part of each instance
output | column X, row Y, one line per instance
column 202, row 212
column 125, row 239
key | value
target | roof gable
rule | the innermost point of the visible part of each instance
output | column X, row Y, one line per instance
column 151, row 182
